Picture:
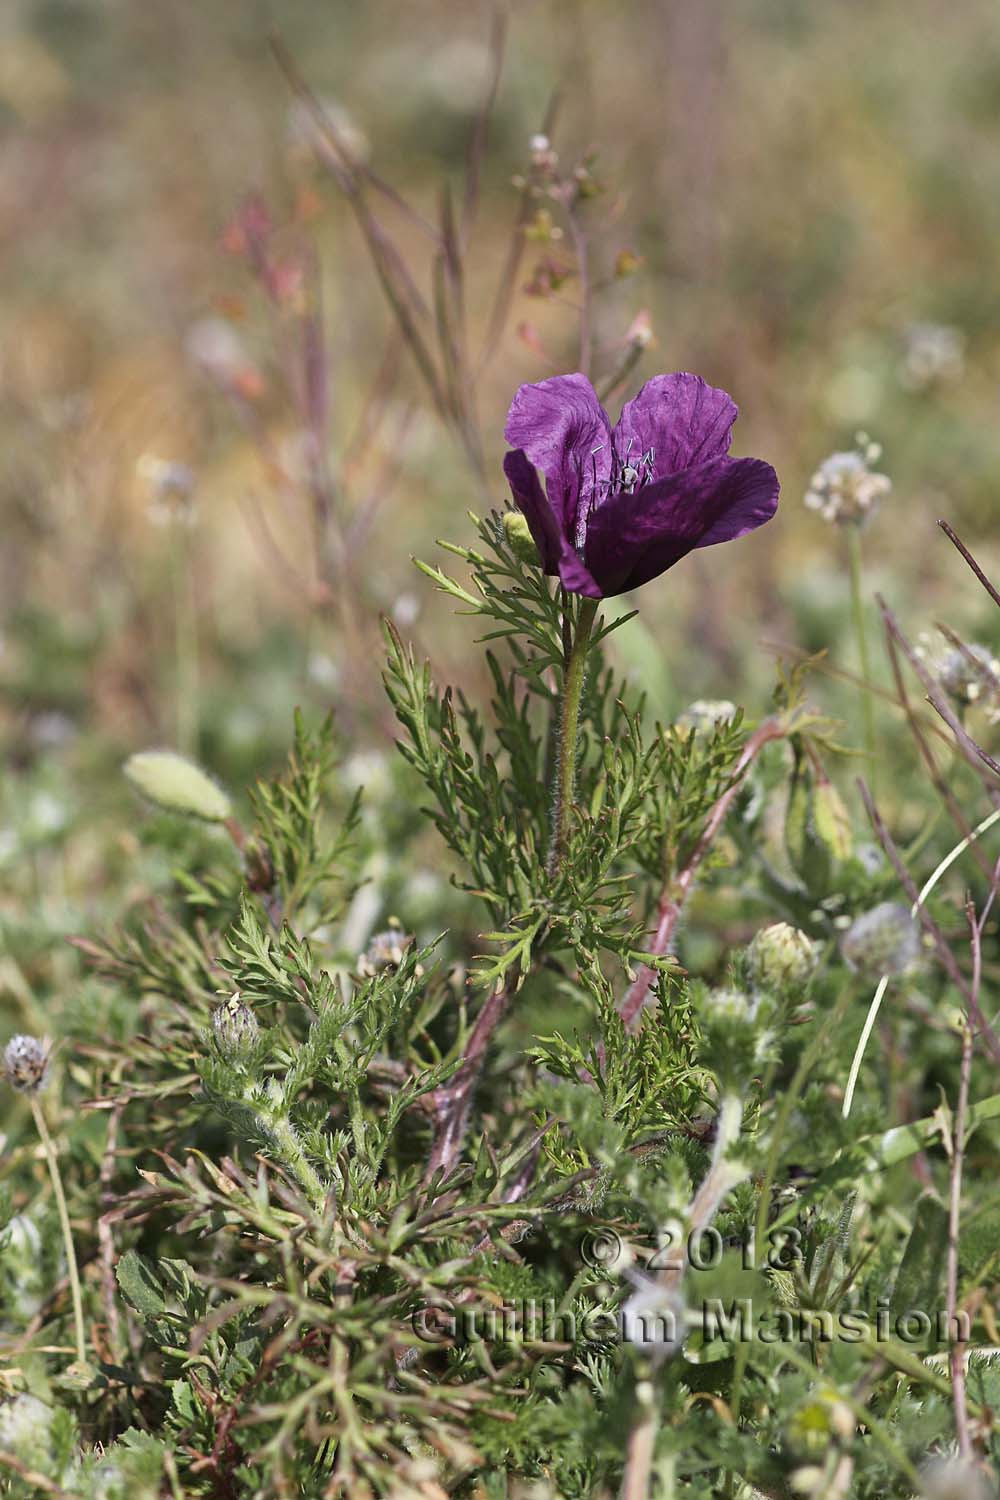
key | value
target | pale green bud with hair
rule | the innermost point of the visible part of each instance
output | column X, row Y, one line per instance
column 519, row 538
column 783, row 957
column 177, row 785
column 235, row 1027
column 817, row 830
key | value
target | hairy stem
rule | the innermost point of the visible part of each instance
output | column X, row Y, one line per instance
column 576, row 667
column 52, row 1158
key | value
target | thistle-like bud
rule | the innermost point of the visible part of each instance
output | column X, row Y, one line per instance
column 235, row 1027
column 845, row 488
column 177, row 785
column 731, row 1005
column 885, row 940
column 519, row 538
column 26, row 1063
column 783, row 957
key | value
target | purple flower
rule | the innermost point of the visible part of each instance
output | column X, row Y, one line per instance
column 622, row 504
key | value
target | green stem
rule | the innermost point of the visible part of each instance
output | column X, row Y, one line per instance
column 576, row 666
column 861, row 639
column 185, row 642
column 71, row 1266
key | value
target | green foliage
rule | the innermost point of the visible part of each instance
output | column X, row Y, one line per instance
column 384, row 1213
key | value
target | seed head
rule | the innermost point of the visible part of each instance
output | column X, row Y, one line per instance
column 845, row 488
column 705, row 714
column 783, row 956
column 969, row 672
column 933, row 353
column 885, row 940
column 386, row 950
column 235, row 1027
column 26, row 1063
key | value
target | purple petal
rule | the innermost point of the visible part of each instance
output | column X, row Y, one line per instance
column 533, row 504
column 558, row 557
column 681, row 418
column 565, row 432
column 633, row 538
column 576, row 577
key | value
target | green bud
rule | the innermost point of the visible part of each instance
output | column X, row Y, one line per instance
column 832, row 821
column 519, row 538
column 810, row 1430
column 783, row 956
column 817, row 830
column 177, row 785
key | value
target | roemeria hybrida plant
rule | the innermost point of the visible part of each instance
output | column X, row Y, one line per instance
column 623, row 504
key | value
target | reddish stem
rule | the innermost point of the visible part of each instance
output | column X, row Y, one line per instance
column 453, row 1102
column 677, row 890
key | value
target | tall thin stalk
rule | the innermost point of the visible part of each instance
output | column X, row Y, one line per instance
column 185, row 641
column 861, row 640
column 72, row 1269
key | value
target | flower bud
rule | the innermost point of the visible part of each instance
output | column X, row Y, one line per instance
column 885, row 940
column 519, row 538
column 26, row 1063
column 235, row 1027
column 817, row 830
column 783, row 956
column 177, row 785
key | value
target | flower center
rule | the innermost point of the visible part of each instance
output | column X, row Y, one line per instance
column 627, row 473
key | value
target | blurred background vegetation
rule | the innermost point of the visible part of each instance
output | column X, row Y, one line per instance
column 804, row 199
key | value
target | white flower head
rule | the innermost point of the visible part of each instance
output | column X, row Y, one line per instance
column 845, row 489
